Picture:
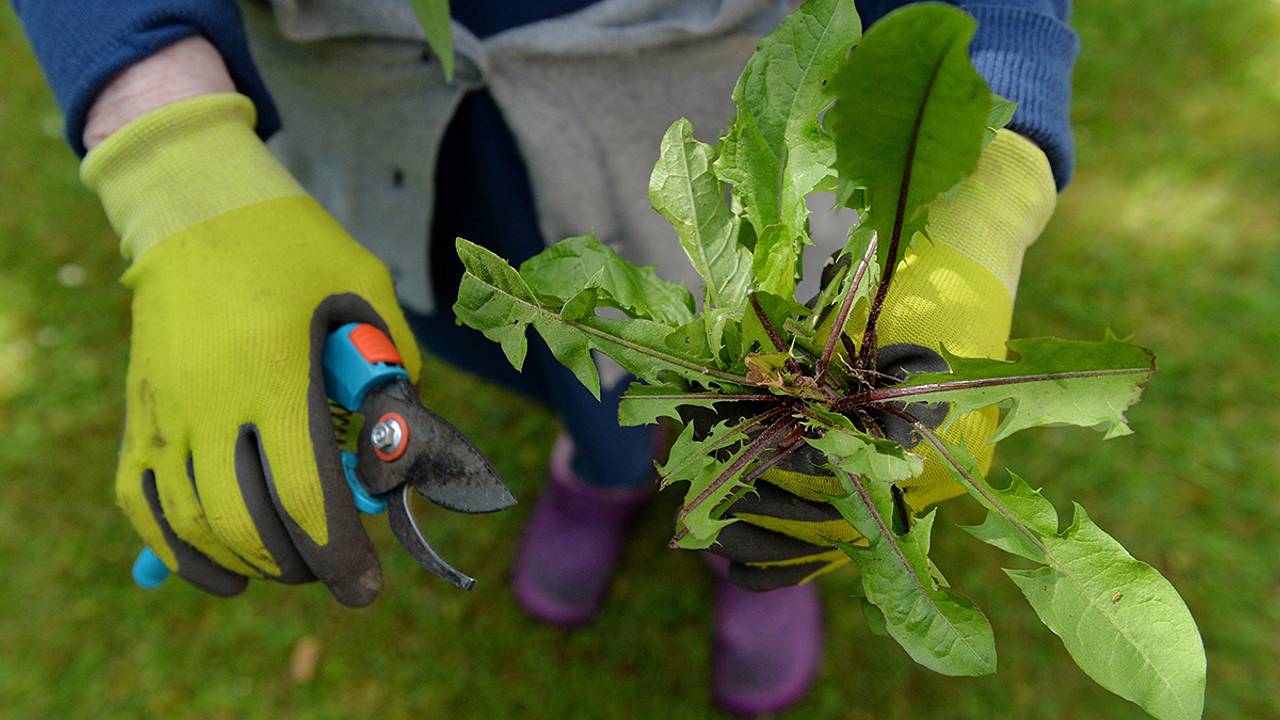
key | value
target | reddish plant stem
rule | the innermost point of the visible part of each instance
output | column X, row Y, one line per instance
column 886, row 531
column 771, row 463
column 867, row 355
column 887, row 394
column 747, row 479
column 767, row 416
column 767, row 324
column 753, row 450
column 912, row 419
column 867, row 358
column 715, row 397
column 814, row 416
column 974, row 484
column 837, row 329
column 868, row 426
column 850, row 350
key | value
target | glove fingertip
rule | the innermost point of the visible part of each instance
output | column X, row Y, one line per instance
column 212, row 578
column 358, row 588
column 192, row 565
column 330, row 538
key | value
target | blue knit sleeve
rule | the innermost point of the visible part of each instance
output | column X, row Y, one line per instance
column 1025, row 49
column 82, row 44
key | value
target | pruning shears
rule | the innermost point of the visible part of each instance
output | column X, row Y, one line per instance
column 400, row 446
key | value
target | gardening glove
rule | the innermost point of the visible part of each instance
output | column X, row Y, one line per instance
column 229, row 467
column 955, row 289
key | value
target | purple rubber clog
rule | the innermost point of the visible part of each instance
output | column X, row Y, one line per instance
column 767, row 645
column 570, row 549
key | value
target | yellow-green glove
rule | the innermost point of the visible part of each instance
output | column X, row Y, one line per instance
column 957, row 291
column 229, row 467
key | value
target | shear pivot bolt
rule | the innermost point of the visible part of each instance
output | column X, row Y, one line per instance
column 385, row 435
column 389, row 437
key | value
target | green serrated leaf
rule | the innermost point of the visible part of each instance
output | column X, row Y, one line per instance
column 829, row 293
column 1122, row 622
column 640, row 346
column 874, row 618
column 581, row 305
column 570, row 346
column 1148, row 649
column 1001, row 112
column 724, row 337
column 774, row 263
column 921, row 138
column 433, row 15
column 1033, row 511
column 776, row 153
column 643, row 404
column 686, row 192
column 687, row 452
column 692, row 340
column 496, row 300
column 1052, row 382
column 834, row 292
column 1000, row 115
column 856, row 248
column 576, row 263
column 701, row 462
column 715, row 335
column 857, row 453
column 938, row 628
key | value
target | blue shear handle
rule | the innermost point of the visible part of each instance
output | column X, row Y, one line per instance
column 149, row 572
column 348, row 376
column 365, row 503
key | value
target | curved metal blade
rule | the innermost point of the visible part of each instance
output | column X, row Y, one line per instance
column 405, row 528
column 439, row 462
column 454, row 474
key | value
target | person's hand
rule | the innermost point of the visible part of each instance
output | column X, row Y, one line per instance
column 957, row 291
column 229, row 467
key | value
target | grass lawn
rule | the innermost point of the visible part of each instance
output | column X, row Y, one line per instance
column 1169, row 231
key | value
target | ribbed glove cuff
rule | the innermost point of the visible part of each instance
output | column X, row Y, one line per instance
column 180, row 165
column 999, row 210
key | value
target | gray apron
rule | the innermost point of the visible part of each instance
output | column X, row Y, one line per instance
column 587, row 96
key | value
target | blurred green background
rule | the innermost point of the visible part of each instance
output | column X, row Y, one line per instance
column 1169, row 232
